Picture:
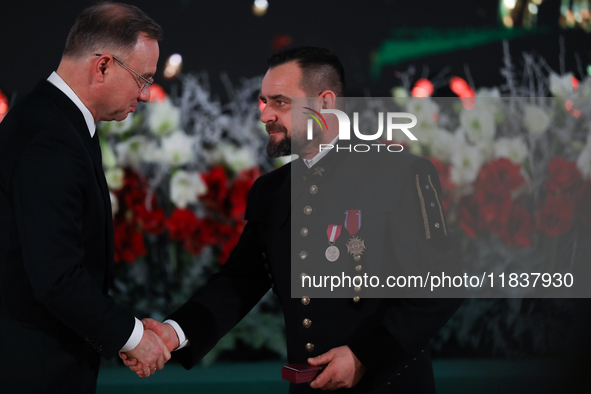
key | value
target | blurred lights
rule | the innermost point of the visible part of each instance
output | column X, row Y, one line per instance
column 510, row 4
column 532, row 8
column 508, row 21
column 3, row 105
column 423, row 88
column 173, row 66
column 259, row 8
column 463, row 90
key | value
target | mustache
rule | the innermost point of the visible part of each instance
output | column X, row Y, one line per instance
column 270, row 127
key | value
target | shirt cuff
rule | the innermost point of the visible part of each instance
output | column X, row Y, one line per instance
column 183, row 341
column 135, row 338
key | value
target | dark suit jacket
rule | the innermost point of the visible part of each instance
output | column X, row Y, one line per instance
column 389, row 335
column 56, row 250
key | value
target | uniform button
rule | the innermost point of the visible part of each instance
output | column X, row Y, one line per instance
column 307, row 210
column 357, row 289
column 303, row 254
column 356, row 299
column 305, row 300
column 313, row 189
column 436, row 225
column 270, row 276
column 358, row 267
column 433, row 204
column 357, row 257
column 427, row 187
column 307, row 323
column 304, row 232
column 310, row 347
column 302, row 275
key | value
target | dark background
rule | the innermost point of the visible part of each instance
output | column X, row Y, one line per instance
column 225, row 36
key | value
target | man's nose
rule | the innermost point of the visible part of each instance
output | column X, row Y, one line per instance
column 144, row 95
column 268, row 115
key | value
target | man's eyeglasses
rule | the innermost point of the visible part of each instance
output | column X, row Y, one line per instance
column 147, row 83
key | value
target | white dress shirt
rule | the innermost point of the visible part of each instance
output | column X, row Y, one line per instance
column 58, row 82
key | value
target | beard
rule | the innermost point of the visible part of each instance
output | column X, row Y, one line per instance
column 278, row 148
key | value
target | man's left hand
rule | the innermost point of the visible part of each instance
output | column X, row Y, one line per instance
column 343, row 370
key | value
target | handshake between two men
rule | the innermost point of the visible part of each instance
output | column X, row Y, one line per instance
column 154, row 349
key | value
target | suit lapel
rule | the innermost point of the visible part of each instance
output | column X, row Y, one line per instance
column 92, row 145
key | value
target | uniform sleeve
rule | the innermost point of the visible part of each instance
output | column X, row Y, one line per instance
column 421, row 238
column 49, row 186
column 227, row 297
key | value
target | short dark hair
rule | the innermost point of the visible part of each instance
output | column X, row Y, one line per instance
column 108, row 26
column 321, row 68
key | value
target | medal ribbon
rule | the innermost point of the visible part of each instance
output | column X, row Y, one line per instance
column 333, row 232
column 353, row 221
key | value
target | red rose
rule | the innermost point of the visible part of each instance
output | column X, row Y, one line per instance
column 493, row 210
column 217, row 189
column 564, row 176
column 556, row 216
column 517, row 228
column 151, row 221
column 500, row 176
column 129, row 242
column 181, row 224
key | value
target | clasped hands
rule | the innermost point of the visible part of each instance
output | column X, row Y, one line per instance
column 154, row 349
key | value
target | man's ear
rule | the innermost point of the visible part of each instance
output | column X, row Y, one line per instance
column 328, row 99
column 101, row 67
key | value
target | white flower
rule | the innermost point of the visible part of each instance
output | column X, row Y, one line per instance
column 177, row 149
column 115, row 127
column 535, row 119
column 114, row 178
column 488, row 92
column 478, row 124
column 513, row 149
column 466, row 163
column 131, row 151
column 425, row 109
column 185, row 187
column 163, row 117
column 444, row 146
column 114, row 203
column 400, row 96
column 490, row 100
column 233, row 157
column 109, row 158
column 561, row 86
column 584, row 159
column 585, row 87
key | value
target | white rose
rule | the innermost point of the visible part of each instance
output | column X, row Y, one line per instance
column 177, row 149
column 445, row 145
column 466, row 163
column 584, row 159
column 585, row 87
column 478, row 124
column 114, row 203
column 109, row 158
column 535, row 119
column 185, row 187
column 131, row 151
column 561, row 86
column 425, row 109
column 513, row 149
column 114, row 177
column 163, row 117
column 233, row 157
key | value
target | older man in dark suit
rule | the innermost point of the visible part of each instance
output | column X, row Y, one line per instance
column 370, row 345
column 56, row 234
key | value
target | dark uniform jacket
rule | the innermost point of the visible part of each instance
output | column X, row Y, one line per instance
column 403, row 227
column 56, row 250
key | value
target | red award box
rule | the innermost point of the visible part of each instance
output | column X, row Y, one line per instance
column 300, row 373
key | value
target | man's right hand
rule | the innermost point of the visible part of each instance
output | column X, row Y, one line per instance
column 150, row 354
column 168, row 337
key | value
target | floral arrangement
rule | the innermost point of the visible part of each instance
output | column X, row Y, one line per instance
column 515, row 168
column 515, row 173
